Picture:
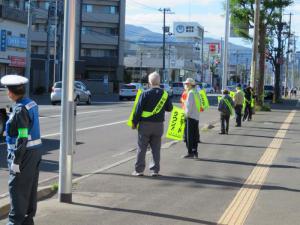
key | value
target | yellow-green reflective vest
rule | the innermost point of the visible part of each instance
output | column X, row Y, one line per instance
column 158, row 107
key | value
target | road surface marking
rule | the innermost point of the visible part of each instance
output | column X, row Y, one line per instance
column 241, row 205
column 80, row 113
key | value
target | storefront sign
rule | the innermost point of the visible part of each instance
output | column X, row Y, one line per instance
column 17, row 42
column 3, row 41
column 16, row 61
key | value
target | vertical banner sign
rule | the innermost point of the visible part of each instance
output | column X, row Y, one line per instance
column 138, row 94
column 3, row 41
column 176, row 124
column 204, row 99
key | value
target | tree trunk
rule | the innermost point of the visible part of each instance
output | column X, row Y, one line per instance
column 262, row 62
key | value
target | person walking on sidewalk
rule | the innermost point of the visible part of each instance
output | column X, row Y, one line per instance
column 238, row 104
column 23, row 142
column 149, row 120
column 192, row 107
column 248, row 108
column 226, row 108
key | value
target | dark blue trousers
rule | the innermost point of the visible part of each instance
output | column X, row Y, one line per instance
column 23, row 189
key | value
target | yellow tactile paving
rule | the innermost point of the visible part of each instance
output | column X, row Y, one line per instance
column 241, row 205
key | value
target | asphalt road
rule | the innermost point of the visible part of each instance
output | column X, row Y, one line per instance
column 102, row 139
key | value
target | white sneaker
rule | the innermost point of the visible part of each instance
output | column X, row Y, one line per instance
column 134, row 173
column 154, row 174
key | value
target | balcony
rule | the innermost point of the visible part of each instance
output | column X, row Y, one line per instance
column 98, row 39
column 13, row 14
column 100, row 18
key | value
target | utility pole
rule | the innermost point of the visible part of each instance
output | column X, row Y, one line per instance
column 67, row 113
column 47, row 63
column 28, row 50
column 55, row 43
column 225, row 56
column 288, row 57
column 165, row 11
column 141, row 65
column 254, row 63
column 202, row 56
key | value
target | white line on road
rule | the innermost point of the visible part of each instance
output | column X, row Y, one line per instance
column 81, row 113
column 83, row 129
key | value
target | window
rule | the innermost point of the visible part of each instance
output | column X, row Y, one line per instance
column 108, row 9
column 8, row 33
column 113, row 10
column 34, row 49
column 22, row 35
column 85, row 52
column 189, row 29
column 88, row 8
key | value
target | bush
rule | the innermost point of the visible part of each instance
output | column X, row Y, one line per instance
column 264, row 108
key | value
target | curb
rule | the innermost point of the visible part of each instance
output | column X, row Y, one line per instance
column 43, row 193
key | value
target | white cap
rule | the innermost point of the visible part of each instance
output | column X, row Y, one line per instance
column 190, row 81
column 13, row 80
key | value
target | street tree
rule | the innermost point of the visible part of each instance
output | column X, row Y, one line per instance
column 242, row 15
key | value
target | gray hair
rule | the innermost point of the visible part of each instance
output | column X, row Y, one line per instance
column 154, row 79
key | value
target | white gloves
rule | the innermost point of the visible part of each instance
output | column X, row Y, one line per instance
column 15, row 168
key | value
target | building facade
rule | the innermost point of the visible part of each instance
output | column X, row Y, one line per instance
column 13, row 31
column 99, row 43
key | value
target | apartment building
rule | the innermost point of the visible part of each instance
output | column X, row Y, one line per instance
column 13, row 33
column 99, row 43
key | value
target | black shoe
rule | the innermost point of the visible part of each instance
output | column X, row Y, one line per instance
column 237, row 125
column 222, row 133
column 195, row 155
column 188, row 156
column 226, row 132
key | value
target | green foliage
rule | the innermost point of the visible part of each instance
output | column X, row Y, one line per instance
column 263, row 108
column 54, row 186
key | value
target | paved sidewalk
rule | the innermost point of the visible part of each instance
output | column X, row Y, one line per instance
column 192, row 191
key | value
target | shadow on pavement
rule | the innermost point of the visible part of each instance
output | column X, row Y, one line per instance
column 213, row 181
column 235, row 145
column 257, row 136
column 147, row 213
column 247, row 163
column 273, row 129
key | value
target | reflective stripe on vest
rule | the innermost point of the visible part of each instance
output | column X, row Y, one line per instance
column 229, row 106
column 197, row 100
column 158, row 107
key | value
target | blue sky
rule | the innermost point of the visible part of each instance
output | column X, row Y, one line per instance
column 209, row 13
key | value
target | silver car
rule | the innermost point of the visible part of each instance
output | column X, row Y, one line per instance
column 81, row 93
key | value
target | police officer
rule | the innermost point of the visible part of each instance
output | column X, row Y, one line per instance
column 149, row 117
column 23, row 139
column 192, row 107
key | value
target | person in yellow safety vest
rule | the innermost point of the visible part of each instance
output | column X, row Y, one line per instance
column 149, row 118
column 238, row 104
column 248, row 108
column 226, row 109
column 192, row 109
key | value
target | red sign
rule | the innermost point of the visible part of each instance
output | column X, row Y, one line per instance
column 16, row 61
column 214, row 47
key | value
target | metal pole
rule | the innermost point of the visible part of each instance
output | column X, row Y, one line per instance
column 55, row 43
column 288, row 58
column 164, row 47
column 67, row 115
column 225, row 57
column 28, row 50
column 47, row 63
column 254, row 62
column 202, row 56
column 141, row 65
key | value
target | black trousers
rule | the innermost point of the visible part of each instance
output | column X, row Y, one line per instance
column 192, row 135
column 225, row 123
column 238, row 112
column 248, row 112
column 23, row 189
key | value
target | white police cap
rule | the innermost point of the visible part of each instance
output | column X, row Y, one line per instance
column 13, row 80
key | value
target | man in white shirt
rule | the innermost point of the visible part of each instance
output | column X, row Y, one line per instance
column 192, row 113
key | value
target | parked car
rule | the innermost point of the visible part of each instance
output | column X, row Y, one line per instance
column 178, row 88
column 81, row 93
column 269, row 91
column 167, row 88
column 129, row 91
